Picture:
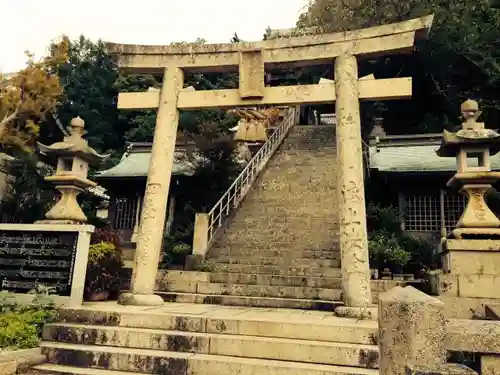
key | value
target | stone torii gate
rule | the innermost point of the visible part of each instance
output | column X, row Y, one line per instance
column 252, row 60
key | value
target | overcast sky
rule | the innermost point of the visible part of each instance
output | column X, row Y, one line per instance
column 32, row 24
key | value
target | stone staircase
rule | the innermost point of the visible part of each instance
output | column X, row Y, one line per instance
column 281, row 248
column 253, row 312
column 182, row 339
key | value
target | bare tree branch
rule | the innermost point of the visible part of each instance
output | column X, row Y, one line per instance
column 7, row 119
column 59, row 124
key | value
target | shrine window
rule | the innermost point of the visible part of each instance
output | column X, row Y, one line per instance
column 422, row 213
column 125, row 212
column 428, row 212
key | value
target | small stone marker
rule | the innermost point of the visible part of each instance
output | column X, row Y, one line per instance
column 412, row 330
column 442, row 369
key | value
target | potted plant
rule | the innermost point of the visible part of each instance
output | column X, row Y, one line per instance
column 387, row 252
column 175, row 248
column 104, row 271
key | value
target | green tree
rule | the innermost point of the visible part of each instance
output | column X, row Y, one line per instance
column 28, row 97
column 140, row 124
column 88, row 80
column 28, row 196
column 459, row 60
column 191, row 123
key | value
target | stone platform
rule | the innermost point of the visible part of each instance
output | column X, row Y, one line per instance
column 179, row 338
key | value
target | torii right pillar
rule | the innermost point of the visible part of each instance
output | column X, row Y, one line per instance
column 356, row 287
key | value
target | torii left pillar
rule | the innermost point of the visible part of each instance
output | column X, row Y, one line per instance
column 154, row 210
column 351, row 195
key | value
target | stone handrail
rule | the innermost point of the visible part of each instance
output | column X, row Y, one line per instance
column 207, row 225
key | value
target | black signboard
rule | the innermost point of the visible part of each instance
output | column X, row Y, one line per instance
column 29, row 259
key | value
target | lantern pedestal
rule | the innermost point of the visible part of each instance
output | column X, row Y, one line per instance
column 477, row 215
column 67, row 210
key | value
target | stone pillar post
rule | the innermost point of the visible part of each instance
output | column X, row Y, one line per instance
column 152, row 220
column 350, row 191
column 411, row 329
column 135, row 232
column 200, row 237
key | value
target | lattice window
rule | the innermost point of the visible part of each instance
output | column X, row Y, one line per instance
column 454, row 206
column 423, row 213
column 125, row 211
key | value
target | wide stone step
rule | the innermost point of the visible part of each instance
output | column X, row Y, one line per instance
column 231, row 242
column 262, row 290
column 320, row 352
column 173, row 278
column 249, row 301
column 308, row 207
column 193, row 364
column 278, row 270
column 238, row 252
column 280, row 213
column 278, row 280
column 278, row 323
column 278, row 261
column 277, row 239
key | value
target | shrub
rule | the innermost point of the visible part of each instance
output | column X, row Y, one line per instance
column 205, row 266
column 104, row 269
column 105, row 235
column 422, row 252
column 21, row 326
column 386, row 251
column 16, row 331
column 384, row 218
column 175, row 246
column 390, row 247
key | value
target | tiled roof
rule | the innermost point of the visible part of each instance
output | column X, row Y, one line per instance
column 136, row 164
column 416, row 159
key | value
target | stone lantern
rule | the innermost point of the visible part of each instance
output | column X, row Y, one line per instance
column 472, row 146
column 73, row 157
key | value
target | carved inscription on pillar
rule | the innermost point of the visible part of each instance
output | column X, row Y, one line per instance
column 477, row 201
column 31, row 259
column 477, row 214
column 353, row 229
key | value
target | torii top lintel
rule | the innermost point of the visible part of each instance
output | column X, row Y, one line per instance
column 302, row 51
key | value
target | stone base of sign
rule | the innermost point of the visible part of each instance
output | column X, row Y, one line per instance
column 22, row 299
column 357, row 312
column 471, row 268
column 140, row 299
column 79, row 265
column 20, row 361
